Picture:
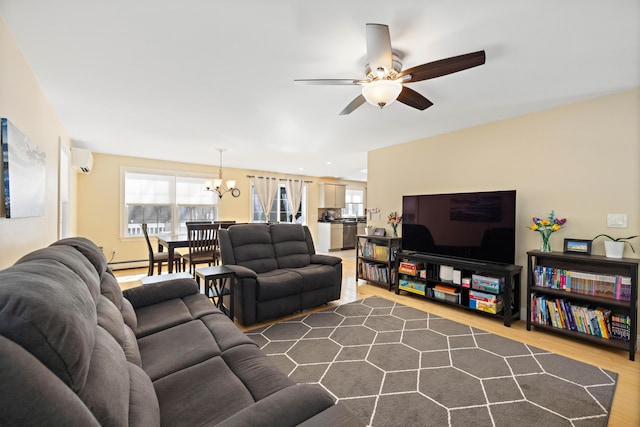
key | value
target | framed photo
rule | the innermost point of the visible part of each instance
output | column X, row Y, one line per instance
column 577, row 246
column 380, row 232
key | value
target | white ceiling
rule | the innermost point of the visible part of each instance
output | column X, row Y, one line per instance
column 174, row 79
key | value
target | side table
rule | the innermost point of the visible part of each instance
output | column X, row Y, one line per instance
column 214, row 285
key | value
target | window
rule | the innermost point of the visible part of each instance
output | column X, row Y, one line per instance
column 280, row 211
column 354, row 204
column 165, row 202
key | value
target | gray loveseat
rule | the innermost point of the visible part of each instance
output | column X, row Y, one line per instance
column 75, row 351
column 277, row 270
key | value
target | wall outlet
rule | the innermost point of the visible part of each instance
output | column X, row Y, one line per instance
column 617, row 220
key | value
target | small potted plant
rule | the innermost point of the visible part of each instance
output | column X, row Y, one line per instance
column 614, row 247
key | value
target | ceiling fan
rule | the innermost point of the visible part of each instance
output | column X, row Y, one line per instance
column 385, row 81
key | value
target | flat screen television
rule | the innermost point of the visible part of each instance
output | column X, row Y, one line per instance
column 478, row 226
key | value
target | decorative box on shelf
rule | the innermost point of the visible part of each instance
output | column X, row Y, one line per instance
column 488, row 303
column 487, row 284
column 410, row 267
column 413, row 287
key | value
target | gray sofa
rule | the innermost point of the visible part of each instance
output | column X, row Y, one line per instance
column 76, row 351
column 277, row 270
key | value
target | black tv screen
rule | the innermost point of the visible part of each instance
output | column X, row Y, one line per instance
column 478, row 226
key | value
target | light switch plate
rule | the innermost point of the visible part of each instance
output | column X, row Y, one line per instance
column 617, row 220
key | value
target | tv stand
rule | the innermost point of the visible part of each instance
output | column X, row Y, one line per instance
column 427, row 282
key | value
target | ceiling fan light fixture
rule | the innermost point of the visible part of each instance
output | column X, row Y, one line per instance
column 381, row 92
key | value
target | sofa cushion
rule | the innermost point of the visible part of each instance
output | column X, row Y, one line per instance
column 129, row 314
column 290, row 245
column 202, row 394
column 26, row 388
column 110, row 319
column 87, row 248
column 277, row 284
column 130, row 347
column 158, row 350
column 48, row 310
column 316, row 276
column 110, row 288
column 154, row 318
column 69, row 257
column 107, row 382
column 252, row 247
column 231, row 382
column 143, row 402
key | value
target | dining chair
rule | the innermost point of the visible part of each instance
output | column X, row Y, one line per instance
column 225, row 224
column 160, row 257
column 203, row 244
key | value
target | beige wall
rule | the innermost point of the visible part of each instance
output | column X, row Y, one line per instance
column 582, row 160
column 99, row 213
column 25, row 105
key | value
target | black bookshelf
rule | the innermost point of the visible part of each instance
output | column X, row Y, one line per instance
column 600, row 290
column 375, row 256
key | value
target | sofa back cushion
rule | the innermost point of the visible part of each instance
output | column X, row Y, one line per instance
column 290, row 245
column 48, row 310
column 52, row 305
column 252, row 247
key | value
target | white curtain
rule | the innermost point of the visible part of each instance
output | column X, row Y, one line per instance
column 294, row 188
column 266, row 189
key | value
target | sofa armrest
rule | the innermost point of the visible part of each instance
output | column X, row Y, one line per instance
column 242, row 272
column 287, row 407
column 153, row 293
column 325, row 259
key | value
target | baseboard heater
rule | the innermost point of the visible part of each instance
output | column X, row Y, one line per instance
column 125, row 265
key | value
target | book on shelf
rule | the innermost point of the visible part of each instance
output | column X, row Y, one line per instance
column 621, row 327
column 371, row 250
column 374, row 272
column 561, row 313
column 594, row 284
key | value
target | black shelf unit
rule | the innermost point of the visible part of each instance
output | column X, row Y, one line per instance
column 508, row 272
column 626, row 267
column 367, row 262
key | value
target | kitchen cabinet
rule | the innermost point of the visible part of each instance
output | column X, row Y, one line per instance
column 329, row 237
column 332, row 196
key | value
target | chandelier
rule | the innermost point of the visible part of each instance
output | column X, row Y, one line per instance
column 218, row 187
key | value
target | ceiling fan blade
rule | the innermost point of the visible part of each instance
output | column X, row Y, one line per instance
column 413, row 99
column 358, row 101
column 329, row 81
column 379, row 47
column 444, row 66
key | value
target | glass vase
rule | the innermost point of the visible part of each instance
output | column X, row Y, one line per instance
column 395, row 230
column 545, row 246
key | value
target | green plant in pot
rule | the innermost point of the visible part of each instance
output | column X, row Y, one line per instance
column 614, row 247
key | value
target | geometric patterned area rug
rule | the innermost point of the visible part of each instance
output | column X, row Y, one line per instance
column 394, row 365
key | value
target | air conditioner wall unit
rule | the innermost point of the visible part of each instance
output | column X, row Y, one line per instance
column 81, row 160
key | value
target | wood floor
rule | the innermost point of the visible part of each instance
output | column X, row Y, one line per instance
column 626, row 405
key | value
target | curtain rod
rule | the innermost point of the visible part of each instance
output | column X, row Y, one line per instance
column 280, row 179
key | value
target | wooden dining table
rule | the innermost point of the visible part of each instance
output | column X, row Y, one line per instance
column 171, row 242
